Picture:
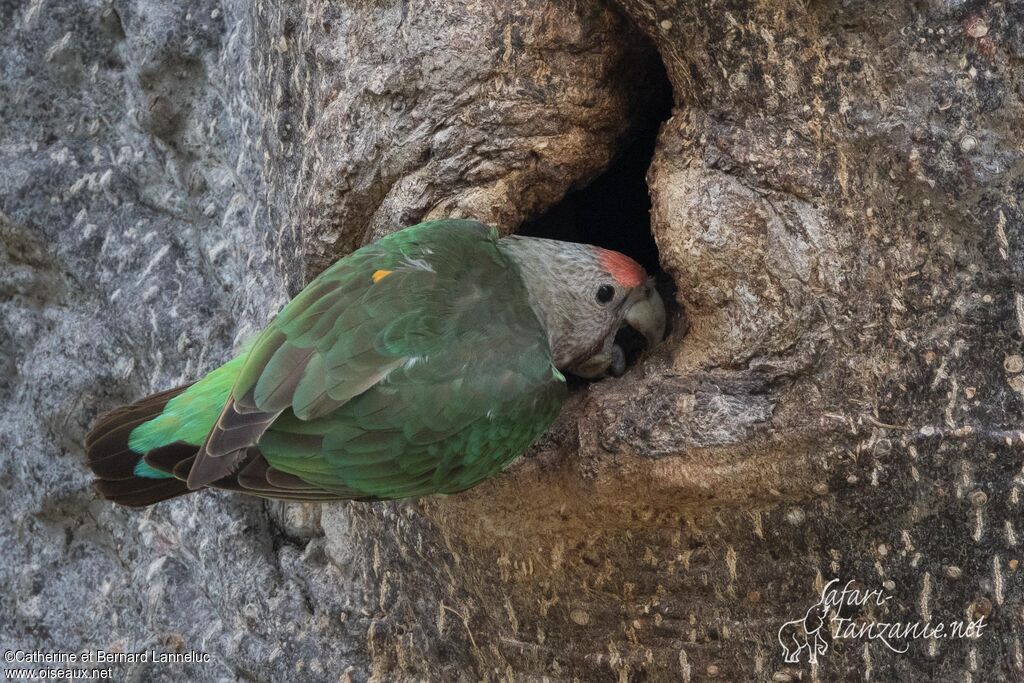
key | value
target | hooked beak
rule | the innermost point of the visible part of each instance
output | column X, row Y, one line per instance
column 647, row 316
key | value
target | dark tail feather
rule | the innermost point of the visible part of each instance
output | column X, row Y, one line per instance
column 113, row 462
column 139, row 492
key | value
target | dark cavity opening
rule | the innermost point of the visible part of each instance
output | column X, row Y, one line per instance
column 614, row 209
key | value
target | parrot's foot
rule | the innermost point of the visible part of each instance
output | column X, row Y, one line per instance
column 612, row 362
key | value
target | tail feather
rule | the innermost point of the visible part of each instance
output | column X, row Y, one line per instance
column 140, row 492
column 168, row 458
column 115, row 464
column 182, row 469
column 143, row 409
column 167, row 447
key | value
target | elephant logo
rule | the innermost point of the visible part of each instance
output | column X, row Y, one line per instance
column 805, row 634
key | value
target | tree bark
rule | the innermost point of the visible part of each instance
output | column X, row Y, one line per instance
column 836, row 199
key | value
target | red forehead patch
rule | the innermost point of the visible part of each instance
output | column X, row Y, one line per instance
column 626, row 271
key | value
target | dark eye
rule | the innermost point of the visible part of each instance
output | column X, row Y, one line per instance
column 605, row 293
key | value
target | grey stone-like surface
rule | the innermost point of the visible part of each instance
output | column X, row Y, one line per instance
column 836, row 197
column 134, row 233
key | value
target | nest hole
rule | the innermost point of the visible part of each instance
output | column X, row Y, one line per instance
column 614, row 209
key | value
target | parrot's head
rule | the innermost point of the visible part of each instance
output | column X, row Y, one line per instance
column 583, row 295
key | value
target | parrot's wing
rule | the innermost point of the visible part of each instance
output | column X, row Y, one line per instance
column 439, row 424
column 291, row 365
column 394, row 304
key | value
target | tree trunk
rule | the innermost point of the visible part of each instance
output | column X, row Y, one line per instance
column 836, row 202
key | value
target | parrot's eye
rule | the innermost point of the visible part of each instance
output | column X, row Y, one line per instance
column 605, row 293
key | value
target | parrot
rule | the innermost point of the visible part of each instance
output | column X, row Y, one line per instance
column 420, row 364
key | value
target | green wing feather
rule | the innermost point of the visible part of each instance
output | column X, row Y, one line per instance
column 413, row 366
column 470, row 381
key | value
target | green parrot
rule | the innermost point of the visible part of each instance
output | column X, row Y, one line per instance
column 421, row 364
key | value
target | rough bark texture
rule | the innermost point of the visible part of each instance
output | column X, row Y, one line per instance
column 385, row 116
column 837, row 198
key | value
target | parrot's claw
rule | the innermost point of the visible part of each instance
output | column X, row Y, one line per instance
column 617, row 366
column 611, row 362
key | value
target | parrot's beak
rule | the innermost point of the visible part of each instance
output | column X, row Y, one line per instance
column 647, row 316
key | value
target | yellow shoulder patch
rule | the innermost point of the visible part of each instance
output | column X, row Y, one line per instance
column 380, row 275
